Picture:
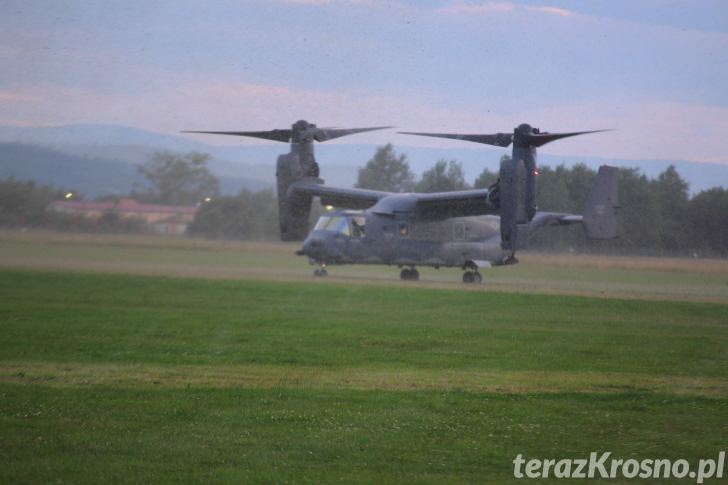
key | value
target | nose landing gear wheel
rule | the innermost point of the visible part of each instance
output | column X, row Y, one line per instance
column 409, row 275
column 321, row 273
column 472, row 277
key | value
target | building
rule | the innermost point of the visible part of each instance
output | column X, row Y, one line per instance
column 159, row 219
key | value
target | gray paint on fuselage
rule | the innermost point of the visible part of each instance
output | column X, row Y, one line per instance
column 399, row 240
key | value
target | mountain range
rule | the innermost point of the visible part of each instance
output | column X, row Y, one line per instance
column 102, row 159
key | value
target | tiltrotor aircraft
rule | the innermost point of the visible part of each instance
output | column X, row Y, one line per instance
column 468, row 229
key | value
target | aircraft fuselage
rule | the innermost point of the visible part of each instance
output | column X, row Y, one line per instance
column 356, row 237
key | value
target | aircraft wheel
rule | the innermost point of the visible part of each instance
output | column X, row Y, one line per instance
column 405, row 275
column 321, row 273
column 477, row 278
column 414, row 275
column 468, row 277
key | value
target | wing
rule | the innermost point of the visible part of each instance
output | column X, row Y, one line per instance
column 443, row 205
column 336, row 196
column 543, row 219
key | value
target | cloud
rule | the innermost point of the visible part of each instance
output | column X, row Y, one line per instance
column 328, row 2
column 488, row 8
column 644, row 130
column 306, row 2
column 18, row 122
column 14, row 97
column 461, row 8
column 647, row 130
column 562, row 12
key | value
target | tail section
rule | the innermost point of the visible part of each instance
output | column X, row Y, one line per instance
column 600, row 212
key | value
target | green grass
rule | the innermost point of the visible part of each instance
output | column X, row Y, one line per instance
column 64, row 317
column 615, row 277
column 284, row 436
column 150, row 379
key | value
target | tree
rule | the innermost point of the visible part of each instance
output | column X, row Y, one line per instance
column 670, row 195
column 708, row 214
column 551, row 187
column 488, row 177
column 386, row 171
column 445, row 176
column 485, row 179
column 179, row 179
column 249, row 215
column 23, row 203
column 578, row 183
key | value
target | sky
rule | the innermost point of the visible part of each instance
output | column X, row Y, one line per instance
column 654, row 71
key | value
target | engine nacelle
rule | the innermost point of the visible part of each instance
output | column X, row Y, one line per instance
column 294, row 210
column 517, row 194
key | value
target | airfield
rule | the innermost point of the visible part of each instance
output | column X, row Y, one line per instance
column 142, row 359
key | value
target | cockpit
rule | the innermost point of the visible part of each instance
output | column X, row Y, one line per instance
column 349, row 223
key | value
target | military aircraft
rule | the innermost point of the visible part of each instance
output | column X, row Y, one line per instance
column 469, row 229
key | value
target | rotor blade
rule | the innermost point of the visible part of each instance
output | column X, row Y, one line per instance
column 497, row 139
column 274, row 135
column 540, row 139
column 324, row 134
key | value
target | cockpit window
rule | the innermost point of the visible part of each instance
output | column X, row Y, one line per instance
column 338, row 224
column 322, row 223
column 347, row 224
column 357, row 226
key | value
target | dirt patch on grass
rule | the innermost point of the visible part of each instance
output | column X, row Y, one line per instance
column 640, row 278
column 145, row 241
column 268, row 377
column 598, row 261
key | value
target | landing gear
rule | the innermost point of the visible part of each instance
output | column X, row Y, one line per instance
column 321, row 273
column 409, row 275
column 472, row 277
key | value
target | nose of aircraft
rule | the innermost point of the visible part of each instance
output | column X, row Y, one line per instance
column 312, row 246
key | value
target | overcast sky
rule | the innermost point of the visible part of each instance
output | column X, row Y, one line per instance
column 656, row 71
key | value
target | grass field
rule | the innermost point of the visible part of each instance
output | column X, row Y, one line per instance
column 243, row 375
column 605, row 276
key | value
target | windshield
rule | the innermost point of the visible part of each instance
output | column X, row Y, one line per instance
column 333, row 224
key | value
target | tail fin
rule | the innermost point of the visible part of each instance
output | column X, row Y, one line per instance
column 600, row 212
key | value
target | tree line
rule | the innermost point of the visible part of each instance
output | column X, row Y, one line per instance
column 658, row 215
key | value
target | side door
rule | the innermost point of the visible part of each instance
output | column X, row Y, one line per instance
column 459, row 231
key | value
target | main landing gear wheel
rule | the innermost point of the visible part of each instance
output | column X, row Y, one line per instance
column 472, row 277
column 409, row 275
column 322, row 273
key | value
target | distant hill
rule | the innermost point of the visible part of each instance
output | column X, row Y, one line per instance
column 92, row 175
column 89, row 154
column 98, row 135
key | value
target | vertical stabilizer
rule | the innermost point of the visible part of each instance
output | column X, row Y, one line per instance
column 600, row 212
